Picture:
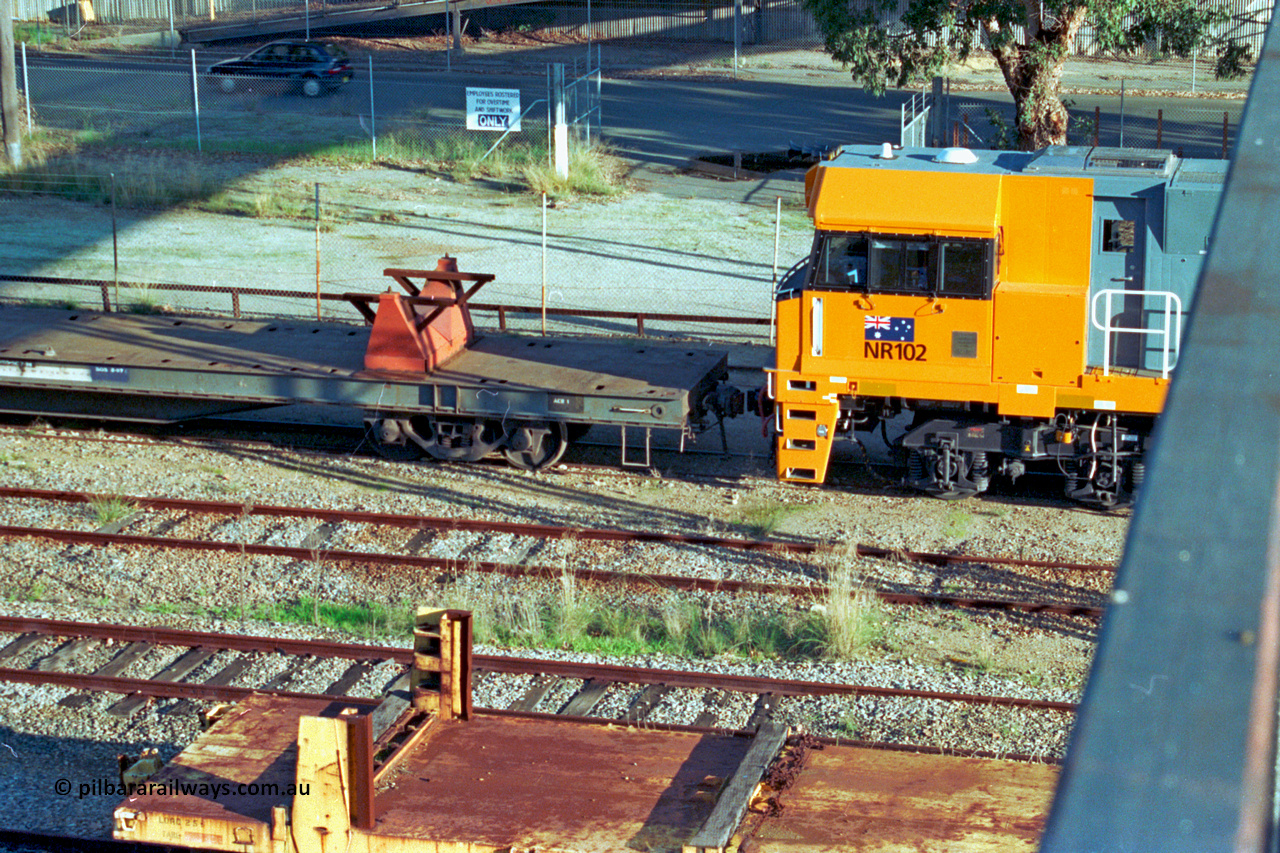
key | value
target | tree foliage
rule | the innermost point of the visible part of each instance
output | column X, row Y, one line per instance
column 1029, row 39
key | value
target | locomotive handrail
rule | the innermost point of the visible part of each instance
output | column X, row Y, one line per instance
column 1172, row 316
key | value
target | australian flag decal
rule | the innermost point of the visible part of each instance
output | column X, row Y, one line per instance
column 889, row 328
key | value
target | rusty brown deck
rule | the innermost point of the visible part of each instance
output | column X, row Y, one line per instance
column 846, row 798
column 500, row 783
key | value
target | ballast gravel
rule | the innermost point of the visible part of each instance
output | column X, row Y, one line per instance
column 929, row 649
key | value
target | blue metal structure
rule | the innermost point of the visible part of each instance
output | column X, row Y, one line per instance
column 1175, row 746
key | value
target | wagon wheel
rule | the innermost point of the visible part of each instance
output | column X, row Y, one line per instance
column 536, row 445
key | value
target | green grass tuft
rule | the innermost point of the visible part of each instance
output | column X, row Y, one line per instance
column 105, row 510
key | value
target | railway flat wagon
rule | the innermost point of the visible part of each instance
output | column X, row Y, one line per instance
column 425, row 381
column 422, row 771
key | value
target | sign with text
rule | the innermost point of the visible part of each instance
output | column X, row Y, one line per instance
column 493, row 109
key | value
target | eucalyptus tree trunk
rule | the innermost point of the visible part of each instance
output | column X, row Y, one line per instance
column 1033, row 72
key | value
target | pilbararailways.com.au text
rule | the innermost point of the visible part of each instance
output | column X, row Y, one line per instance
column 206, row 790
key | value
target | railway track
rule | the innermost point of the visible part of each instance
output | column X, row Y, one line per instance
column 206, row 667
column 1082, row 602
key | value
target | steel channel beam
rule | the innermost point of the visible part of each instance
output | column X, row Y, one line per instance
column 452, row 564
column 23, row 840
column 545, row 531
column 498, row 663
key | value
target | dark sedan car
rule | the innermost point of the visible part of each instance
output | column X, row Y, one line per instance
column 314, row 66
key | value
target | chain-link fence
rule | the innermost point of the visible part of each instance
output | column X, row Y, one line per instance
column 378, row 113
column 1189, row 128
column 638, row 261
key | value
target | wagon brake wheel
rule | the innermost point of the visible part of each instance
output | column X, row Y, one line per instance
column 536, row 445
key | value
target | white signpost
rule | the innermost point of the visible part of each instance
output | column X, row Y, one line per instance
column 493, row 109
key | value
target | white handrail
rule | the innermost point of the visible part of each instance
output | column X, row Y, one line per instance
column 1172, row 317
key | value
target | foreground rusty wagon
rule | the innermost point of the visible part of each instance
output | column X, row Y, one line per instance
column 424, row 380
column 422, row 772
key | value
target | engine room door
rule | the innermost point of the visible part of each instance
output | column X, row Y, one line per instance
column 1118, row 261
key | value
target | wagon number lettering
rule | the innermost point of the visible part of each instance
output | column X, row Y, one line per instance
column 891, row 351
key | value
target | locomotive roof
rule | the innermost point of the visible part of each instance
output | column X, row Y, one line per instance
column 1143, row 166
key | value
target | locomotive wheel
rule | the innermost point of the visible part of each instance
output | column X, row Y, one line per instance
column 536, row 445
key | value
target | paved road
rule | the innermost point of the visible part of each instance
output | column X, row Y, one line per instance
column 660, row 122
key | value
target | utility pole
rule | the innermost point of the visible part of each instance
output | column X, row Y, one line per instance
column 9, row 87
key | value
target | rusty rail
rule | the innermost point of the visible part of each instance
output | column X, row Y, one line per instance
column 544, row 531
column 459, row 565
column 159, row 689
column 483, row 663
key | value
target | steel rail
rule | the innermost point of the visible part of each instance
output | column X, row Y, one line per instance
column 545, row 531
column 500, row 664
column 162, row 689
column 461, row 565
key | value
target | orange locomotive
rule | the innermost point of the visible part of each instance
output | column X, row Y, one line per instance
column 1023, row 308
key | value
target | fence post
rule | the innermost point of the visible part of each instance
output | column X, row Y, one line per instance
column 561, row 133
column 937, row 115
column 544, row 265
column 737, row 34
column 599, row 103
column 1097, row 124
column 1121, row 112
column 115, row 241
column 773, row 294
column 1224, row 135
column 373, row 126
column 26, row 87
column 317, row 252
column 1159, row 127
column 195, row 99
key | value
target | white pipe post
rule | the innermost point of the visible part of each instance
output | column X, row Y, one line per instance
column 195, row 99
column 737, row 33
column 562, row 126
column 26, row 87
column 373, row 128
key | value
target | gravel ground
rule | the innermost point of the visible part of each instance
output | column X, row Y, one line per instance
column 927, row 649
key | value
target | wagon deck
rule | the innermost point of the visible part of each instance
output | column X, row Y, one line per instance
column 164, row 369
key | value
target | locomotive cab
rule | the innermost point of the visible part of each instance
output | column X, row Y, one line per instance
column 1024, row 308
